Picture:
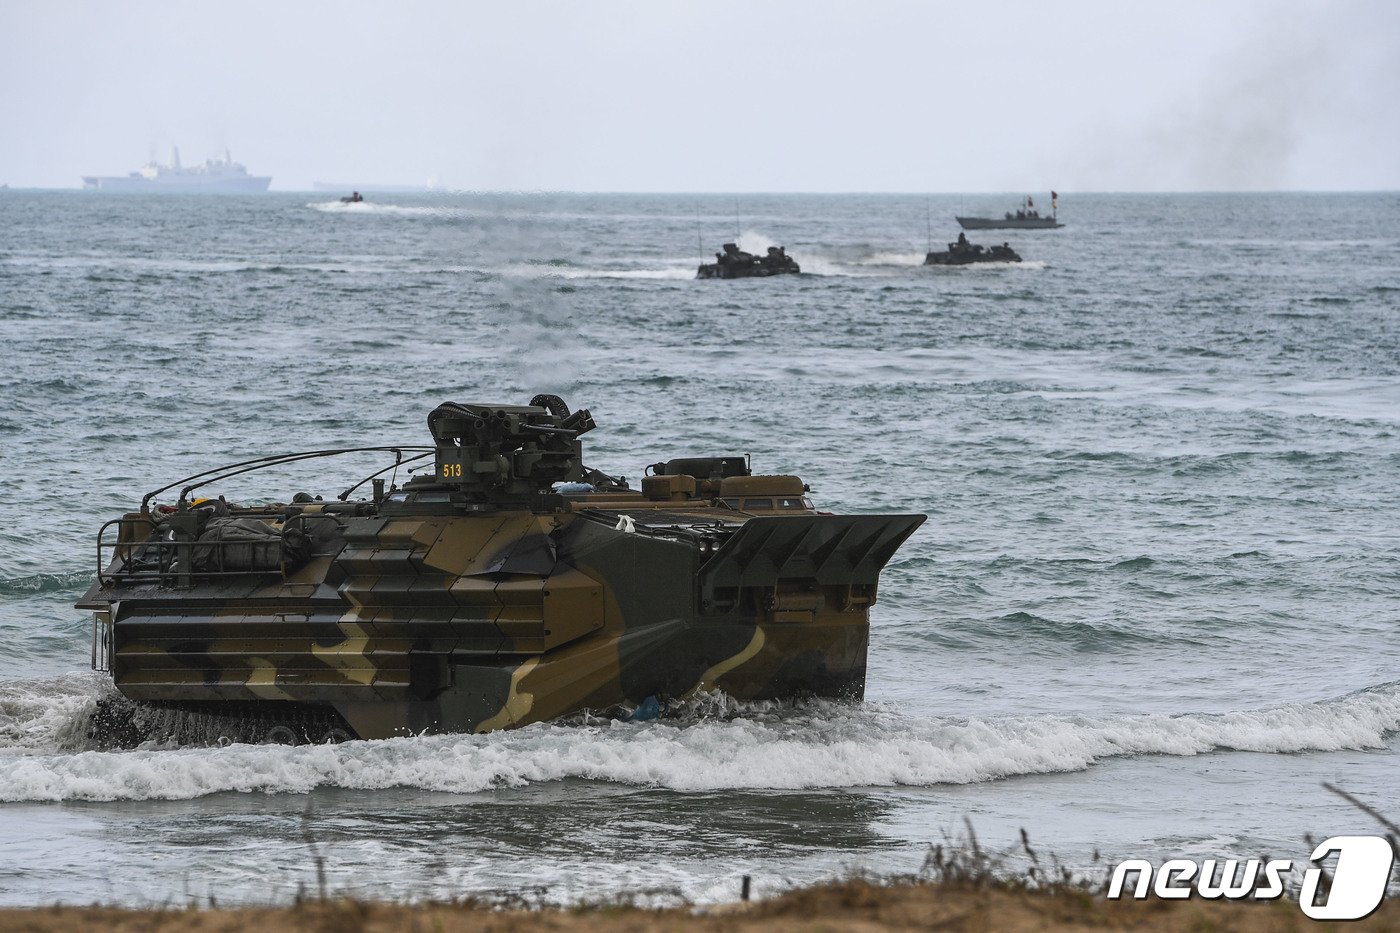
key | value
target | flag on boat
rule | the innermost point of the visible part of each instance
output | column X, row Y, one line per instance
column 1030, row 201
column 1053, row 198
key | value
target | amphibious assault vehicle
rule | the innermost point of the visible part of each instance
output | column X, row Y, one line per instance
column 734, row 263
column 512, row 585
column 962, row 253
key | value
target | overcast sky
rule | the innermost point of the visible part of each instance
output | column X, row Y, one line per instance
column 975, row 95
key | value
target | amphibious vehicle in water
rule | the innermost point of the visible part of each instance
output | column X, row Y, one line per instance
column 734, row 263
column 962, row 253
column 512, row 585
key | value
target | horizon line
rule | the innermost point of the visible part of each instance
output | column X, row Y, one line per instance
column 420, row 190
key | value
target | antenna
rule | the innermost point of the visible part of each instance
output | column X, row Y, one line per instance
column 928, row 224
column 737, row 233
column 699, row 234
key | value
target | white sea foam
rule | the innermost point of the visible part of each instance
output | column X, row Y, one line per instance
column 49, row 714
column 813, row 264
column 751, row 241
column 893, row 259
column 374, row 207
column 822, row 746
column 686, row 273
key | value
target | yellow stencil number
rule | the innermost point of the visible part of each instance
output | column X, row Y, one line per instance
column 451, row 470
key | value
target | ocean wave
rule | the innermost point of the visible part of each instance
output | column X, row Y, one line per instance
column 713, row 745
column 1038, row 634
column 34, row 584
column 51, row 714
column 557, row 270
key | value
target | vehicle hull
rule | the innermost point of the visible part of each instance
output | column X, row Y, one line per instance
column 407, row 624
column 993, row 223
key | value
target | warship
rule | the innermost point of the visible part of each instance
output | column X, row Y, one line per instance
column 216, row 176
column 511, row 585
column 1026, row 217
column 962, row 253
column 734, row 263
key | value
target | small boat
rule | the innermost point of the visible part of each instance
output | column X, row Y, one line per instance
column 734, row 263
column 1026, row 217
column 963, row 253
column 354, row 198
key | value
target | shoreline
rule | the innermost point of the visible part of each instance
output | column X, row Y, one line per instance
column 852, row 904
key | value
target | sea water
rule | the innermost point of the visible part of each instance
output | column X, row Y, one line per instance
column 1155, row 605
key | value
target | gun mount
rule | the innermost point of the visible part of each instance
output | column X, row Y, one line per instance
column 496, row 453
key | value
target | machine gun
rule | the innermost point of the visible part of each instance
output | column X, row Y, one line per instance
column 499, row 452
